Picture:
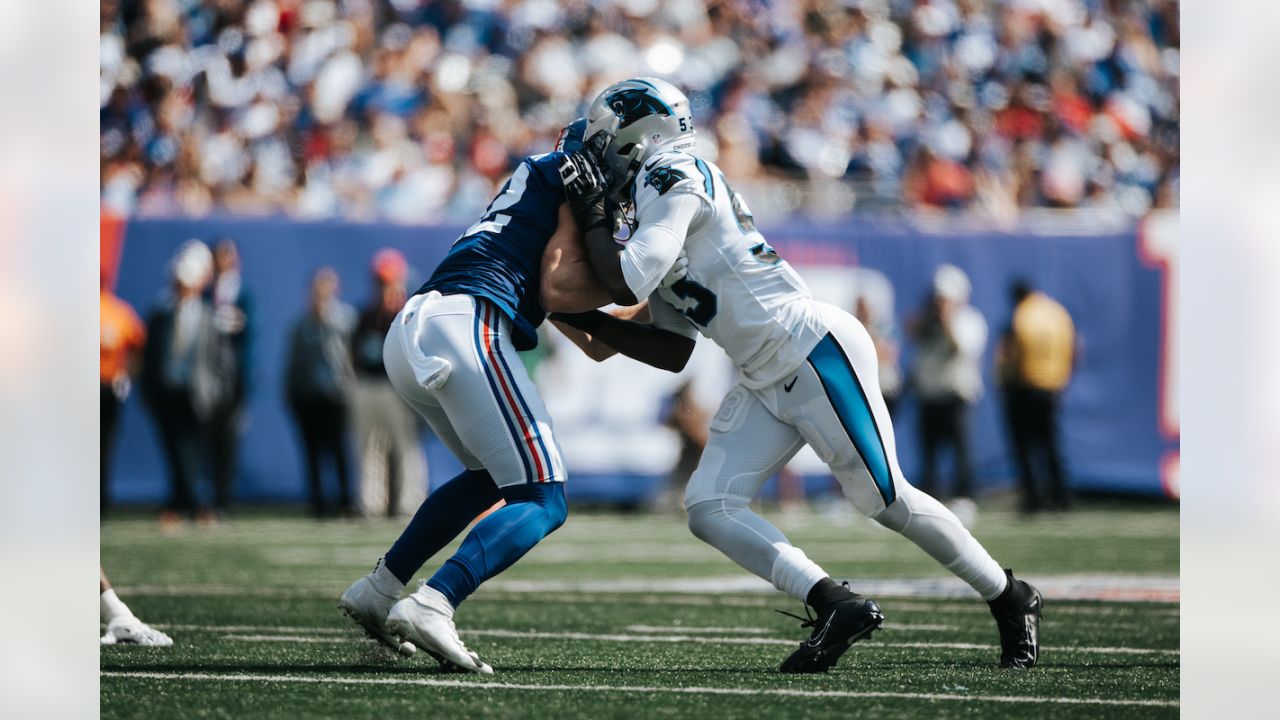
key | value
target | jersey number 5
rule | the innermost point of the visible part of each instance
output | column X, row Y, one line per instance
column 701, row 307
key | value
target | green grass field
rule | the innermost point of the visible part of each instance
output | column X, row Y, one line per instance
column 630, row 616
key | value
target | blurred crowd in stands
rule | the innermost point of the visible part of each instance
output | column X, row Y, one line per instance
column 413, row 110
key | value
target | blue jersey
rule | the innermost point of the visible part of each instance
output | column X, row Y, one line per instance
column 500, row 257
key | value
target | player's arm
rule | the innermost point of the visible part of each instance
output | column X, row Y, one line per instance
column 666, row 344
column 568, row 284
column 634, row 270
column 590, row 346
column 650, row 345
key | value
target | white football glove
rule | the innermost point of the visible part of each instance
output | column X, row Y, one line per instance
column 678, row 270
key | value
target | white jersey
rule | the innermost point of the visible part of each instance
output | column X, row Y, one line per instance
column 738, row 291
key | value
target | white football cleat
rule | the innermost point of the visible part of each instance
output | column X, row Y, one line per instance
column 426, row 619
column 129, row 630
column 368, row 608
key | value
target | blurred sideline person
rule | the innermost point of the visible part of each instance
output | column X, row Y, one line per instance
column 184, row 376
column 123, row 627
column 879, row 325
column 950, row 336
column 689, row 420
column 392, row 466
column 451, row 354
column 121, row 338
column 233, row 318
column 318, row 380
column 808, row 370
column 1034, row 363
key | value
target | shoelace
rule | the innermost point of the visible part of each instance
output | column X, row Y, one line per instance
column 805, row 622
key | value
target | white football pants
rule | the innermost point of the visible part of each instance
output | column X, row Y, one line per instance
column 451, row 358
column 833, row 403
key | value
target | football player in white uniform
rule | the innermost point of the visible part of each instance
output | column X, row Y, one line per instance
column 808, row 370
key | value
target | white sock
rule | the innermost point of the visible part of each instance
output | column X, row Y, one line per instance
column 975, row 566
column 385, row 581
column 928, row 523
column 755, row 544
column 794, row 573
column 112, row 607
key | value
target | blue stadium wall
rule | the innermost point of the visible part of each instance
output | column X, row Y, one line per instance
column 1111, row 435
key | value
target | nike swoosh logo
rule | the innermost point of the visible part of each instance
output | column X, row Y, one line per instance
column 791, row 384
column 816, row 641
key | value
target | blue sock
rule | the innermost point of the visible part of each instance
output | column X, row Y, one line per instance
column 532, row 512
column 445, row 513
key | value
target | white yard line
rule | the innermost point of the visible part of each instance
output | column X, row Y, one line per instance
column 698, row 630
column 1150, row 588
column 258, row 629
column 748, row 692
column 920, row 627
column 722, row 589
column 237, row 633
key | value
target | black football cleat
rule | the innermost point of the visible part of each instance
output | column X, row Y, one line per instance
column 1017, row 614
column 843, row 624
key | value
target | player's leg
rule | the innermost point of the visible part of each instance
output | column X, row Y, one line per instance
column 747, row 446
column 497, row 416
column 123, row 627
column 446, row 512
column 509, row 429
column 853, row 432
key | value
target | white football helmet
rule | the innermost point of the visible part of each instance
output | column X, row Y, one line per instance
column 642, row 117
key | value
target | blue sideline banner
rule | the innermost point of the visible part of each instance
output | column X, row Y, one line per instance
column 1119, row 421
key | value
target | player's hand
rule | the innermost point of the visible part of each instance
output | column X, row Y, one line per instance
column 584, row 184
column 593, row 149
column 678, row 270
column 585, row 187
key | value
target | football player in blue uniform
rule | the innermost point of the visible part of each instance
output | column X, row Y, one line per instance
column 451, row 354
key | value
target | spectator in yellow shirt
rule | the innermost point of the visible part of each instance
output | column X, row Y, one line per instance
column 1034, row 362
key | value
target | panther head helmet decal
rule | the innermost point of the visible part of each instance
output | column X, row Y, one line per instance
column 632, row 104
column 663, row 178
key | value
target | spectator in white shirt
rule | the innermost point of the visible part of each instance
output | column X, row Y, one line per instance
column 950, row 337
